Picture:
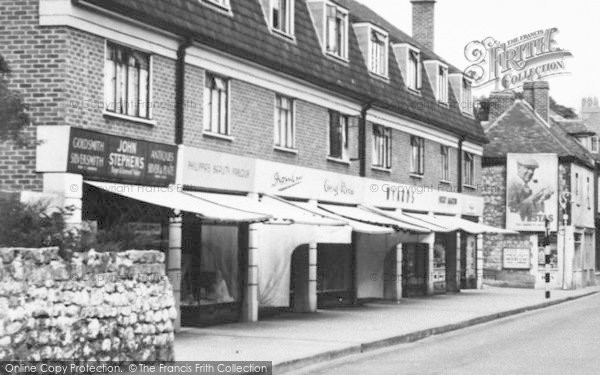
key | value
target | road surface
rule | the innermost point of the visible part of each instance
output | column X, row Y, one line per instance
column 563, row 339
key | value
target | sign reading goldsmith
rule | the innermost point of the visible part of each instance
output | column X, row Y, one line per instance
column 516, row 259
column 529, row 57
column 531, row 192
column 114, row 158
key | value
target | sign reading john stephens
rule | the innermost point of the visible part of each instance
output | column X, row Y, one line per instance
column 108, row 157
column 531, row 192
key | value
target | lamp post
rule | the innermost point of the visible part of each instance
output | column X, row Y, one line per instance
column 565, row 198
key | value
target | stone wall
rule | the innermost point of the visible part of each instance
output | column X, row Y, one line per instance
column 95, row 307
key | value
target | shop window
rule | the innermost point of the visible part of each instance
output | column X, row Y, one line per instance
column 337, row 31
column 445, row 163
column 338, row 135
column 282, row 16
column 417, row 160
column 210, row 264
column 382, row 147
column 378, row 51
column 284, row 123
column 126, row 81
column 216, row 104
column 469, row 169
column 443, row 84
column 553, row 252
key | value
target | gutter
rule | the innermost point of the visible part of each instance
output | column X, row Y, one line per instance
column 180, row 90
column 460, row 164
column 362, row 139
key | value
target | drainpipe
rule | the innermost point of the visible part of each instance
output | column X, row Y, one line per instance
column 362, row 139
column 460, row 164
column 180, row 90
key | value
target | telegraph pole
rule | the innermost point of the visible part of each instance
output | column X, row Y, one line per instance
column 547, row 255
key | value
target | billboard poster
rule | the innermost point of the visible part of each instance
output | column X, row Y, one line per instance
column 531, row 192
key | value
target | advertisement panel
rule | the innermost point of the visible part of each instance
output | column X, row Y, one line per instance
column 531, row 192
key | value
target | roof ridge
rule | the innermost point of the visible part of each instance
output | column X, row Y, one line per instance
column 501, row 117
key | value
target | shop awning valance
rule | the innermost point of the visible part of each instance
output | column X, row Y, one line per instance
column 429, row 221
column 178, row 200
column 369, row 216
column 472, row 227
column 279, row 210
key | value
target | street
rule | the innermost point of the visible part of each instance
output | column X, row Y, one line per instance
column 558, row 340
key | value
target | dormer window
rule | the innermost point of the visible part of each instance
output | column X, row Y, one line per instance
column 378, row 51
column 337, row 31
column 442, row 84
column 221, row 3
column 413, row 70
column 282, row 16
column 595, row 145
column 466, row 104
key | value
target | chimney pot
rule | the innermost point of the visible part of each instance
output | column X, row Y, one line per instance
column 423, row 12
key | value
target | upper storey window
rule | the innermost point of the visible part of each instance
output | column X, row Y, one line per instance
column 127, row 81
column 378, row 51
column 282, row 16
column 337, row 31
column 443, row 84
column 413, row 70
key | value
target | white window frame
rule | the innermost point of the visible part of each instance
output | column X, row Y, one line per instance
column 126, row 115
column 415, row 75
column 207, row 125
column 594, row 145
column 442, row 84
column 224, row 4
column 290, row 18
column 382, row 71
column 468, row 169
column 345, row 129
column 382, row 148
column 343, row 48
column 417, row 155
column 276, row 124
column 445, row 163
column 467, row 96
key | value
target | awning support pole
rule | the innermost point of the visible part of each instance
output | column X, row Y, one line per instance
column 398, row 276
column 250, row 307
column 458, row 274
column 479, row 261
column 312, row 277
column 174, row 263
column 430, row 259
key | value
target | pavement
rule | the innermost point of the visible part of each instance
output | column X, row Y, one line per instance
column 293, row 341
column 562, row 339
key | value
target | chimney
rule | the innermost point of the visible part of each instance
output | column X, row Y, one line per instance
column 422, row 18
column 500, row 101
column 537, row 95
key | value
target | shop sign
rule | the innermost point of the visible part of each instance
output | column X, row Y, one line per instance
column 305, row 183
column 516, row 259
column 113, row 158
column 216, row 170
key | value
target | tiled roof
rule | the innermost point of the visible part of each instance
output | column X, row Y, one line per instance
column 573, row 127
column 245, row 34
column 520, row 129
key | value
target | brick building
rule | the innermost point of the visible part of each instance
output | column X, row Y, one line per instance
column 535, row 168
column 276, row 150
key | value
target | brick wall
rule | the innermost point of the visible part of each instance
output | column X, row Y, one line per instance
column 36, row 56
column 423, row 22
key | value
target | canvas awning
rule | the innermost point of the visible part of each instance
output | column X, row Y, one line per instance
column 172, row 198
column 416, row 220
column 369, row 216
column 472, row 227
column 357, row 226
column 279, row 210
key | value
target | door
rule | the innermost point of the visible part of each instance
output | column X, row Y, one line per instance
column 414, row 270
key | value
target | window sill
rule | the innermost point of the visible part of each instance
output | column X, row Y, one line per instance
column 469, row 186
column 340, row 59
column 338, row 161
column 283, row 35
column 218, row 136
column 416, row 92
column 226, row 10
column 385, row 78
column 380, row 169
column 138, row 120
column 416, row 175
column 470, row 115
column 445, row 182
column 443, row 104
column 285, row 149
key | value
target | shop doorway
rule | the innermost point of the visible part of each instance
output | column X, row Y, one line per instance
column 468, row 261
column 415, row 258
column 335, row 273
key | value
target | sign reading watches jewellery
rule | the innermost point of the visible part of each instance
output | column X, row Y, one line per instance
column 114, row 158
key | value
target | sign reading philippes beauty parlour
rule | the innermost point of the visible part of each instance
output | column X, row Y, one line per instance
column 120, row 159
column 516, row 259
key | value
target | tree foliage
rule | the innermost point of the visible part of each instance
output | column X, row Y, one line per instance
column 13, row 110
column 561, row 110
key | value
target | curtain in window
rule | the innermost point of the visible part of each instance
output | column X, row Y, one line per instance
column 335, row 135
